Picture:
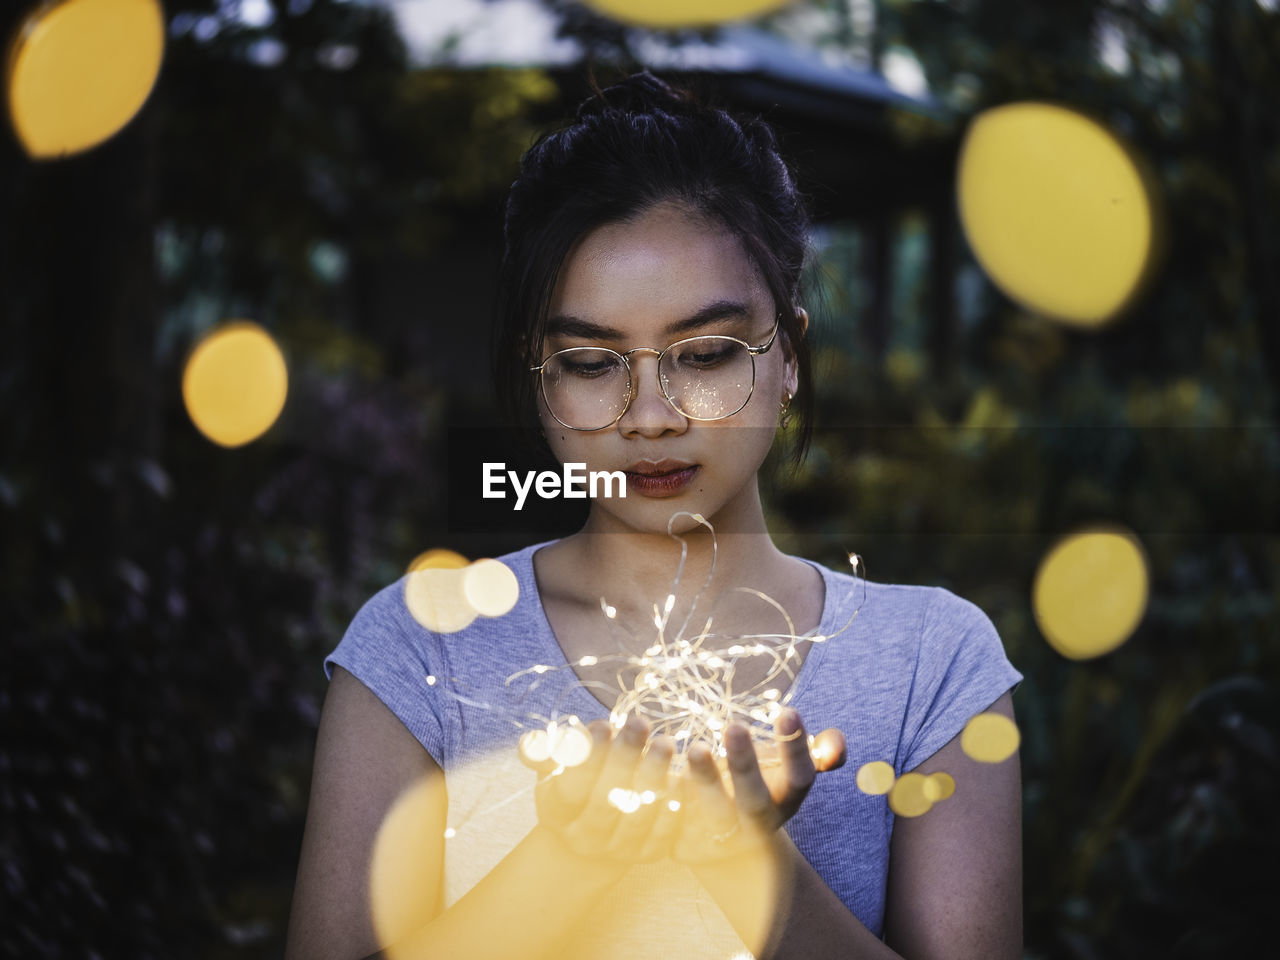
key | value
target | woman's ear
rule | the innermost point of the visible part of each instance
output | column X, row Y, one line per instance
column 791, row 377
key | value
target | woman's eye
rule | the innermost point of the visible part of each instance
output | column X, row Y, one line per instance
column 703, row 358
column 588, row 367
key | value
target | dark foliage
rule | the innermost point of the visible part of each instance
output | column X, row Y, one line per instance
column 166, row 603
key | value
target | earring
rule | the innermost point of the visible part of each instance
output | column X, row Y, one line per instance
column 786, row 417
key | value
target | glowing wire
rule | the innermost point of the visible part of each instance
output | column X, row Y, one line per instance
column 684, row 685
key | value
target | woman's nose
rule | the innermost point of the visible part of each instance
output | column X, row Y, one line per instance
column 650, row 413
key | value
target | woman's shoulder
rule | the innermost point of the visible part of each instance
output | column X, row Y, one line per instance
column 417, row 614
column 903, row 619
column 921, row 652
column 851, row 590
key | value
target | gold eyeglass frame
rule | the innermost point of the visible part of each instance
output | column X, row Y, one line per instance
column 752, row 352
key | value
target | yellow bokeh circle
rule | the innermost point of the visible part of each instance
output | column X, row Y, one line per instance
column 939, row 786
column 1056, row 211
column 435, row 599
column 79, row 70
column 570, row 743
column 446, row 597
column 682, row 13
column 908, row 797
column 235, row 383
column 491, row 587
column 535, row 746
column 401, row 869
column 990, row 738
column 438, row 558
column 1090, row 592
column 875, row 778
column 567, row 742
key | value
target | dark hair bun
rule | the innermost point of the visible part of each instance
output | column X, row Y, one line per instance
column 639, row 93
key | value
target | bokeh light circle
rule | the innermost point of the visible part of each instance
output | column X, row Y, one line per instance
column 234, row 384
column 1090, row 592
column 628, row 801
column 401, row 863
column 436, row 599
column 875, row 778
column 438, row 558
column 535, row 746
column 682, row 13
column 990, row 738
column 1056, row 211
column 939, row 786
column 570, row 743
column 490, row 587
column 78, row 71
column 908, row 798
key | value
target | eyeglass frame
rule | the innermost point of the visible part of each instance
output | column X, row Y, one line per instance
column 752, row 352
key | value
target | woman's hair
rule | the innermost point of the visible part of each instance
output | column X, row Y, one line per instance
column 633, row 145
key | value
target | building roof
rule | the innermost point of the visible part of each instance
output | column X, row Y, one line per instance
column 749, row 62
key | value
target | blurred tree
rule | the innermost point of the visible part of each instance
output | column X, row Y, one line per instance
column 1164, row 421
column 166, row 602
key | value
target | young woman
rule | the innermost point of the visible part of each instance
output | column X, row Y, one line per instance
column 650, row 323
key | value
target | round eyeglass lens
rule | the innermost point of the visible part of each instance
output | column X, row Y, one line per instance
column 708, row 377
column 586, row 387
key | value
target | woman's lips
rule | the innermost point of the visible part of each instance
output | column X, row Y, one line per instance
column 660, row 484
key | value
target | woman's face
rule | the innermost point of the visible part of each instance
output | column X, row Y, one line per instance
column 644, row 284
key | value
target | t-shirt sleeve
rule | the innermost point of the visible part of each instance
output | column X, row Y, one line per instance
column 391, row 653
column 961, row 670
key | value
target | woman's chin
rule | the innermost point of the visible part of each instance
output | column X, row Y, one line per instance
column 657, row 518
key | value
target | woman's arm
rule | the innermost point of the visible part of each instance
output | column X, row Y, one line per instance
column 365, row 762
column 802, row 918
column 955, row 879
column 955, row 874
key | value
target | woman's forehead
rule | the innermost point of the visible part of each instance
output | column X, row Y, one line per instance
column 663, row 268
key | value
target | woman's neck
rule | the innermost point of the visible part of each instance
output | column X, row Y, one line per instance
column 634, row 571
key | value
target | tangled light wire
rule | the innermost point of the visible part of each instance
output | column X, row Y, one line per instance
column 685, row 684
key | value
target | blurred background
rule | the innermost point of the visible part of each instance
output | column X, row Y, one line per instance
column 334, row 172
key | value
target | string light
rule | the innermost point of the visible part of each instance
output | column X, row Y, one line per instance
column 687, row 683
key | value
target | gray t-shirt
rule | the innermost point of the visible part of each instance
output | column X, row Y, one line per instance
column 900, row 682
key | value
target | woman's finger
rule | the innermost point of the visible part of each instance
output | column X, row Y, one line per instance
column 750, row 792
column 666, row 826
column 643, row 802
column 797, row 763
column 828, row 750
column 711, row 811
column 606, row 800
column 573, row 785
column 656, row 764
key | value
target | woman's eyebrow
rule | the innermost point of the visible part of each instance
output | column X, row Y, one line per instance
column 711, row 313
column 567, row 325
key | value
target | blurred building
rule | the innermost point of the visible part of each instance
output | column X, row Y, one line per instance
column 836, row 124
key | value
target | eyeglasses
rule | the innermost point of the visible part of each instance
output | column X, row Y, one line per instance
column 705, row 378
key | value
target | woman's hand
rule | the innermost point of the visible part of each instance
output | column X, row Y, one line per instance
column 614, row 805
column 719, row 825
